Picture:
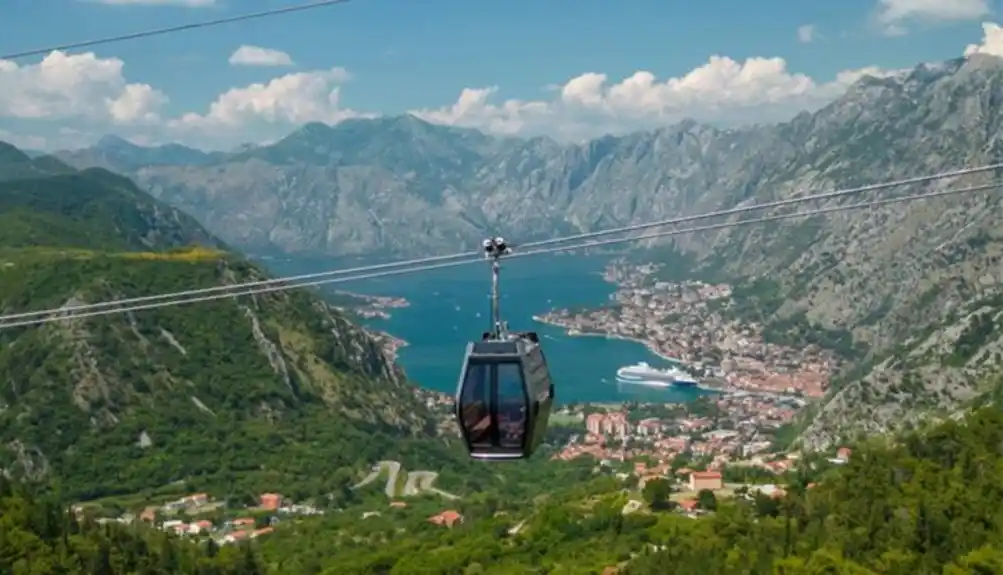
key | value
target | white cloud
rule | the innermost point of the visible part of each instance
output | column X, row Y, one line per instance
column 992, row 41
column 722, row 91
column 257, row 56
column 71, row 100
column 266, row 111
column 893, row 15
column 183, row 3
column 806, row 33
column 81, row 87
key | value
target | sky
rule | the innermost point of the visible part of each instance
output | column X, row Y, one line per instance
column 569, row 69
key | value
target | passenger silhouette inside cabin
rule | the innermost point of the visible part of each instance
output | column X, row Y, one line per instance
column 507, row 431
column 511, row 406
column 476, row 403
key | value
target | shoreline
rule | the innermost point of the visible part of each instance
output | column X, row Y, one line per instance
column 390, row 343
column 650, row 346
column 647, row 344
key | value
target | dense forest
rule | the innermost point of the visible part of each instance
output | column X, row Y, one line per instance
column 39, row 536
column 930, row 503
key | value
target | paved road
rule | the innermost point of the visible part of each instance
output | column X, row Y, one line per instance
column 393, row 470
column 419, row 481
column 416, row 482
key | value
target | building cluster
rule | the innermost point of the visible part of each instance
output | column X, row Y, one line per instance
column 196, row 507
column 448, row 518
column 741, row 427
column 612, row 436
column 733, row 437
column 376, row 306
column 685, row 322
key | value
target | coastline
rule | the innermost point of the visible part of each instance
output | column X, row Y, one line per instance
column 650, row 346
column 568, row 327
column 390, row 343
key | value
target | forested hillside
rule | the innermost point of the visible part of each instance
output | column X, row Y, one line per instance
column 927, row 504
column 275, row 391
column 38, row 536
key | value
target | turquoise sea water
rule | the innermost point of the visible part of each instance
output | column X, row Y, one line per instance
column 450, row 306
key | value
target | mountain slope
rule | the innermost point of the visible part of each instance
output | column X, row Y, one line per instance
column 93, row 208
column 275, row 391
column 880, row 277
column 904, row 279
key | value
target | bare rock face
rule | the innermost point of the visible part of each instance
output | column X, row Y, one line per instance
column 893, row 277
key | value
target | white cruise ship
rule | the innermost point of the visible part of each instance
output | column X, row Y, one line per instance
column 644, row 373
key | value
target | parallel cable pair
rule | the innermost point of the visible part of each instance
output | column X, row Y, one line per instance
column 65, row 314
column 535, row 244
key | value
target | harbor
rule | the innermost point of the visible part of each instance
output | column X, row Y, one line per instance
column 676, row 376
column 685, row 325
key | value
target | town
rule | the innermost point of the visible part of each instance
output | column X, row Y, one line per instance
column 199, row 516
column 694, row 453
column 683, row 322
column 732, row 427
column 375, row 306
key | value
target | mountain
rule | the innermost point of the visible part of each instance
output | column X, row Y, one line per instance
column 116, row 153
column 891, row 283
column 272, row 392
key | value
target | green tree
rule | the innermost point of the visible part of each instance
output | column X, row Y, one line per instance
column 707, row 500
column 656, row 492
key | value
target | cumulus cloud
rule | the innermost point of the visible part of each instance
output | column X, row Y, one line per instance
column 806, row 33
column 894, row 15
column 722, row 91
column 71, row 100
column 257, row 56
column 81, row 87
column 992, row 41
column 266, row 110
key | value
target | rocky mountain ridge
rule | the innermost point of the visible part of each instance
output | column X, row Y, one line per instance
column 399, row 185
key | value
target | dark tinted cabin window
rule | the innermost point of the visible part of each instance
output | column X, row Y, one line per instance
column 475, row 403
column 511, row 405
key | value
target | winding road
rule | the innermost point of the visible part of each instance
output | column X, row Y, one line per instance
column 416, row 483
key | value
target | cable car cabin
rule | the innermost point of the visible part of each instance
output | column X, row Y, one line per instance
column 504, row 397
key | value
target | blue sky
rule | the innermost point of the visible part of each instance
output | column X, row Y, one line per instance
column 406, row 55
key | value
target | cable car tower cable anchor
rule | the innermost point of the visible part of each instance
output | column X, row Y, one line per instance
column 494, row 249
column 504, row 395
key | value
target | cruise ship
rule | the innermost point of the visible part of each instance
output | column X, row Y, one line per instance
column 644, row 373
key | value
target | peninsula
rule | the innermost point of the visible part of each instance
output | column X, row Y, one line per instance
column 374, row 306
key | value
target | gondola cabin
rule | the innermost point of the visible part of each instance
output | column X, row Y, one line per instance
column 504, row 397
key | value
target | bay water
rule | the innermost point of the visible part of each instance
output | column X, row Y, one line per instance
column 449, row 307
